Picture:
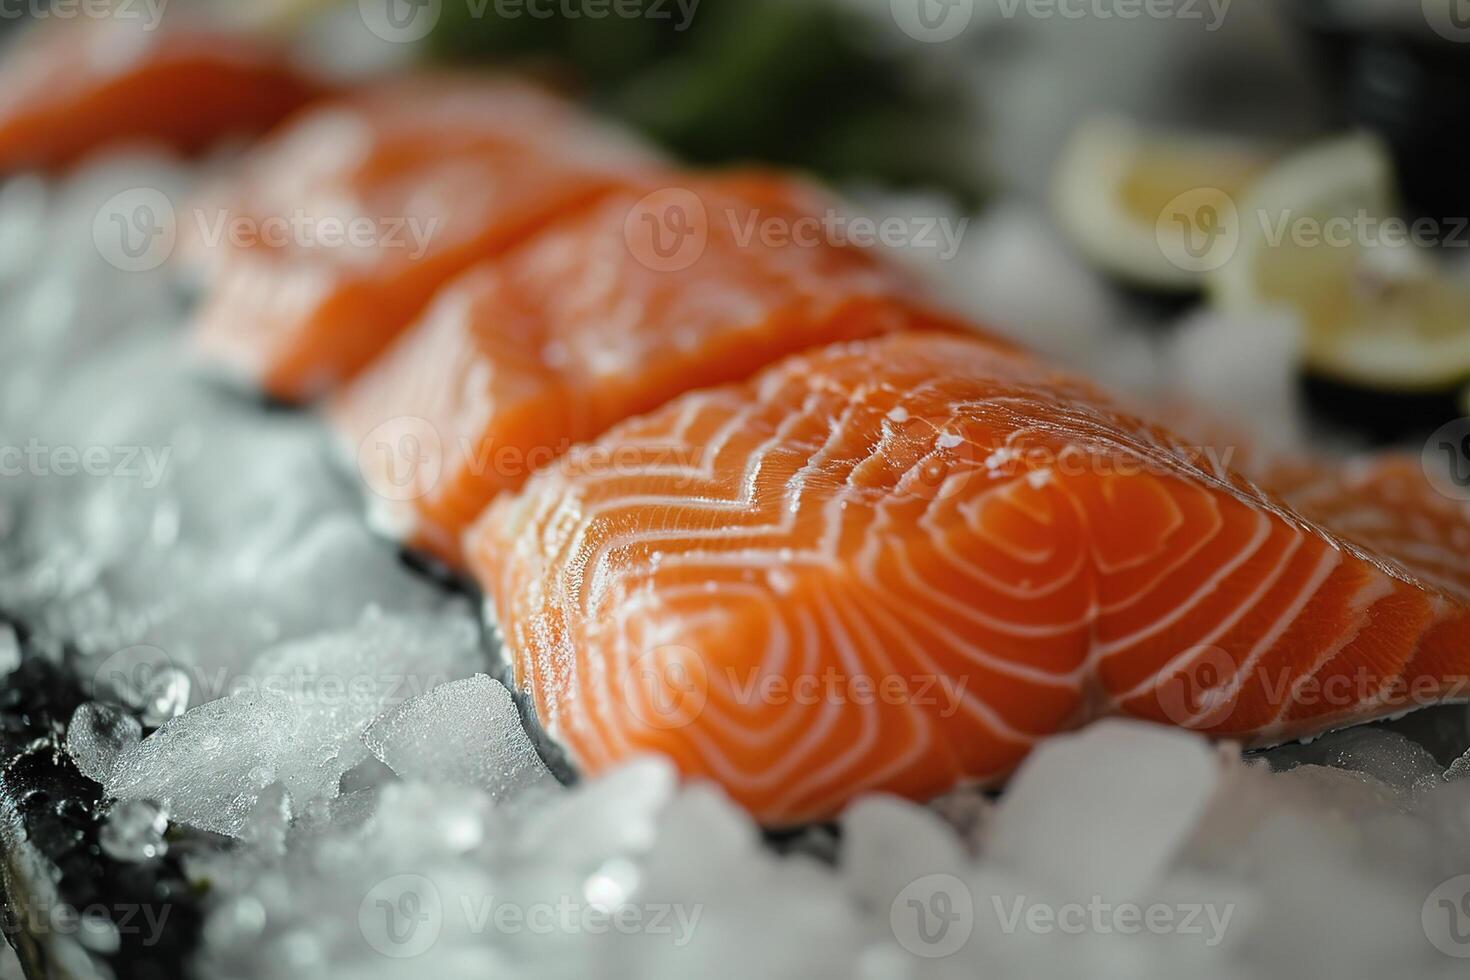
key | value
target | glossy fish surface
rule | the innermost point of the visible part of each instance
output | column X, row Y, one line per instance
column 898, row 564
column 344, row 224
column 605, row 314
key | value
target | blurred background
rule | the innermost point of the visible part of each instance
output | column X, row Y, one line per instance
column 1069, row 130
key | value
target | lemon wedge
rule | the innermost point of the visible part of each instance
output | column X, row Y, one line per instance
column 1155, row 209
column 1318, row 237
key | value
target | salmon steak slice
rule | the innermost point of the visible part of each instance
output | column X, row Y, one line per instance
column 343, row 225
column 587, row 324
column 897, row 564
column 79, row 86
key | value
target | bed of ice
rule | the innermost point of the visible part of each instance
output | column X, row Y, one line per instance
column 307, row 696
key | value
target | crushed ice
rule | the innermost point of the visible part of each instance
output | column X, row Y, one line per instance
column 133, row 831
column 1197, row 863
column 98, row 735
column 466, row 733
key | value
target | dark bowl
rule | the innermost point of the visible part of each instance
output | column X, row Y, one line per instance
column 1405, row 82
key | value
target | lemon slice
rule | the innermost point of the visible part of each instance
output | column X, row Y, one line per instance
column 1155, row 209
column 1318, row 238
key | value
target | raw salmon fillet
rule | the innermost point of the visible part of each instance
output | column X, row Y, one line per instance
column 436, row 172
column 77, row 86
column 586, row 325
column 896, row 564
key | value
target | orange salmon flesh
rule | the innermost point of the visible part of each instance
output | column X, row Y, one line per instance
column 587, row 324
column 897, row 564
column 77, row 87
column 437, row 173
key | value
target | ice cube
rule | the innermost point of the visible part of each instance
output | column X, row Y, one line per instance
column 1443, row 730
column 207, row 767
column 617, row 813
column 1243, row 368
column 967, row 810
column 10, row 968
column 468, row 733
column 1325, row 908
column 133, row 831
column 1146, row 787
column 266, row 828
column 97, row 735
column 9, row 650
column 435, row 819
column 338, row 683
column 1387, row 756
column 230, row 619
column 297, row 717
column 166, row 697
column 703, row 821
column 769, row 916
column 182, row 538
column 23, row 218
column 888, row 843
column 1017, row 276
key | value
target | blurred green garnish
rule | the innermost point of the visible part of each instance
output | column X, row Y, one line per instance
column 812, row 84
